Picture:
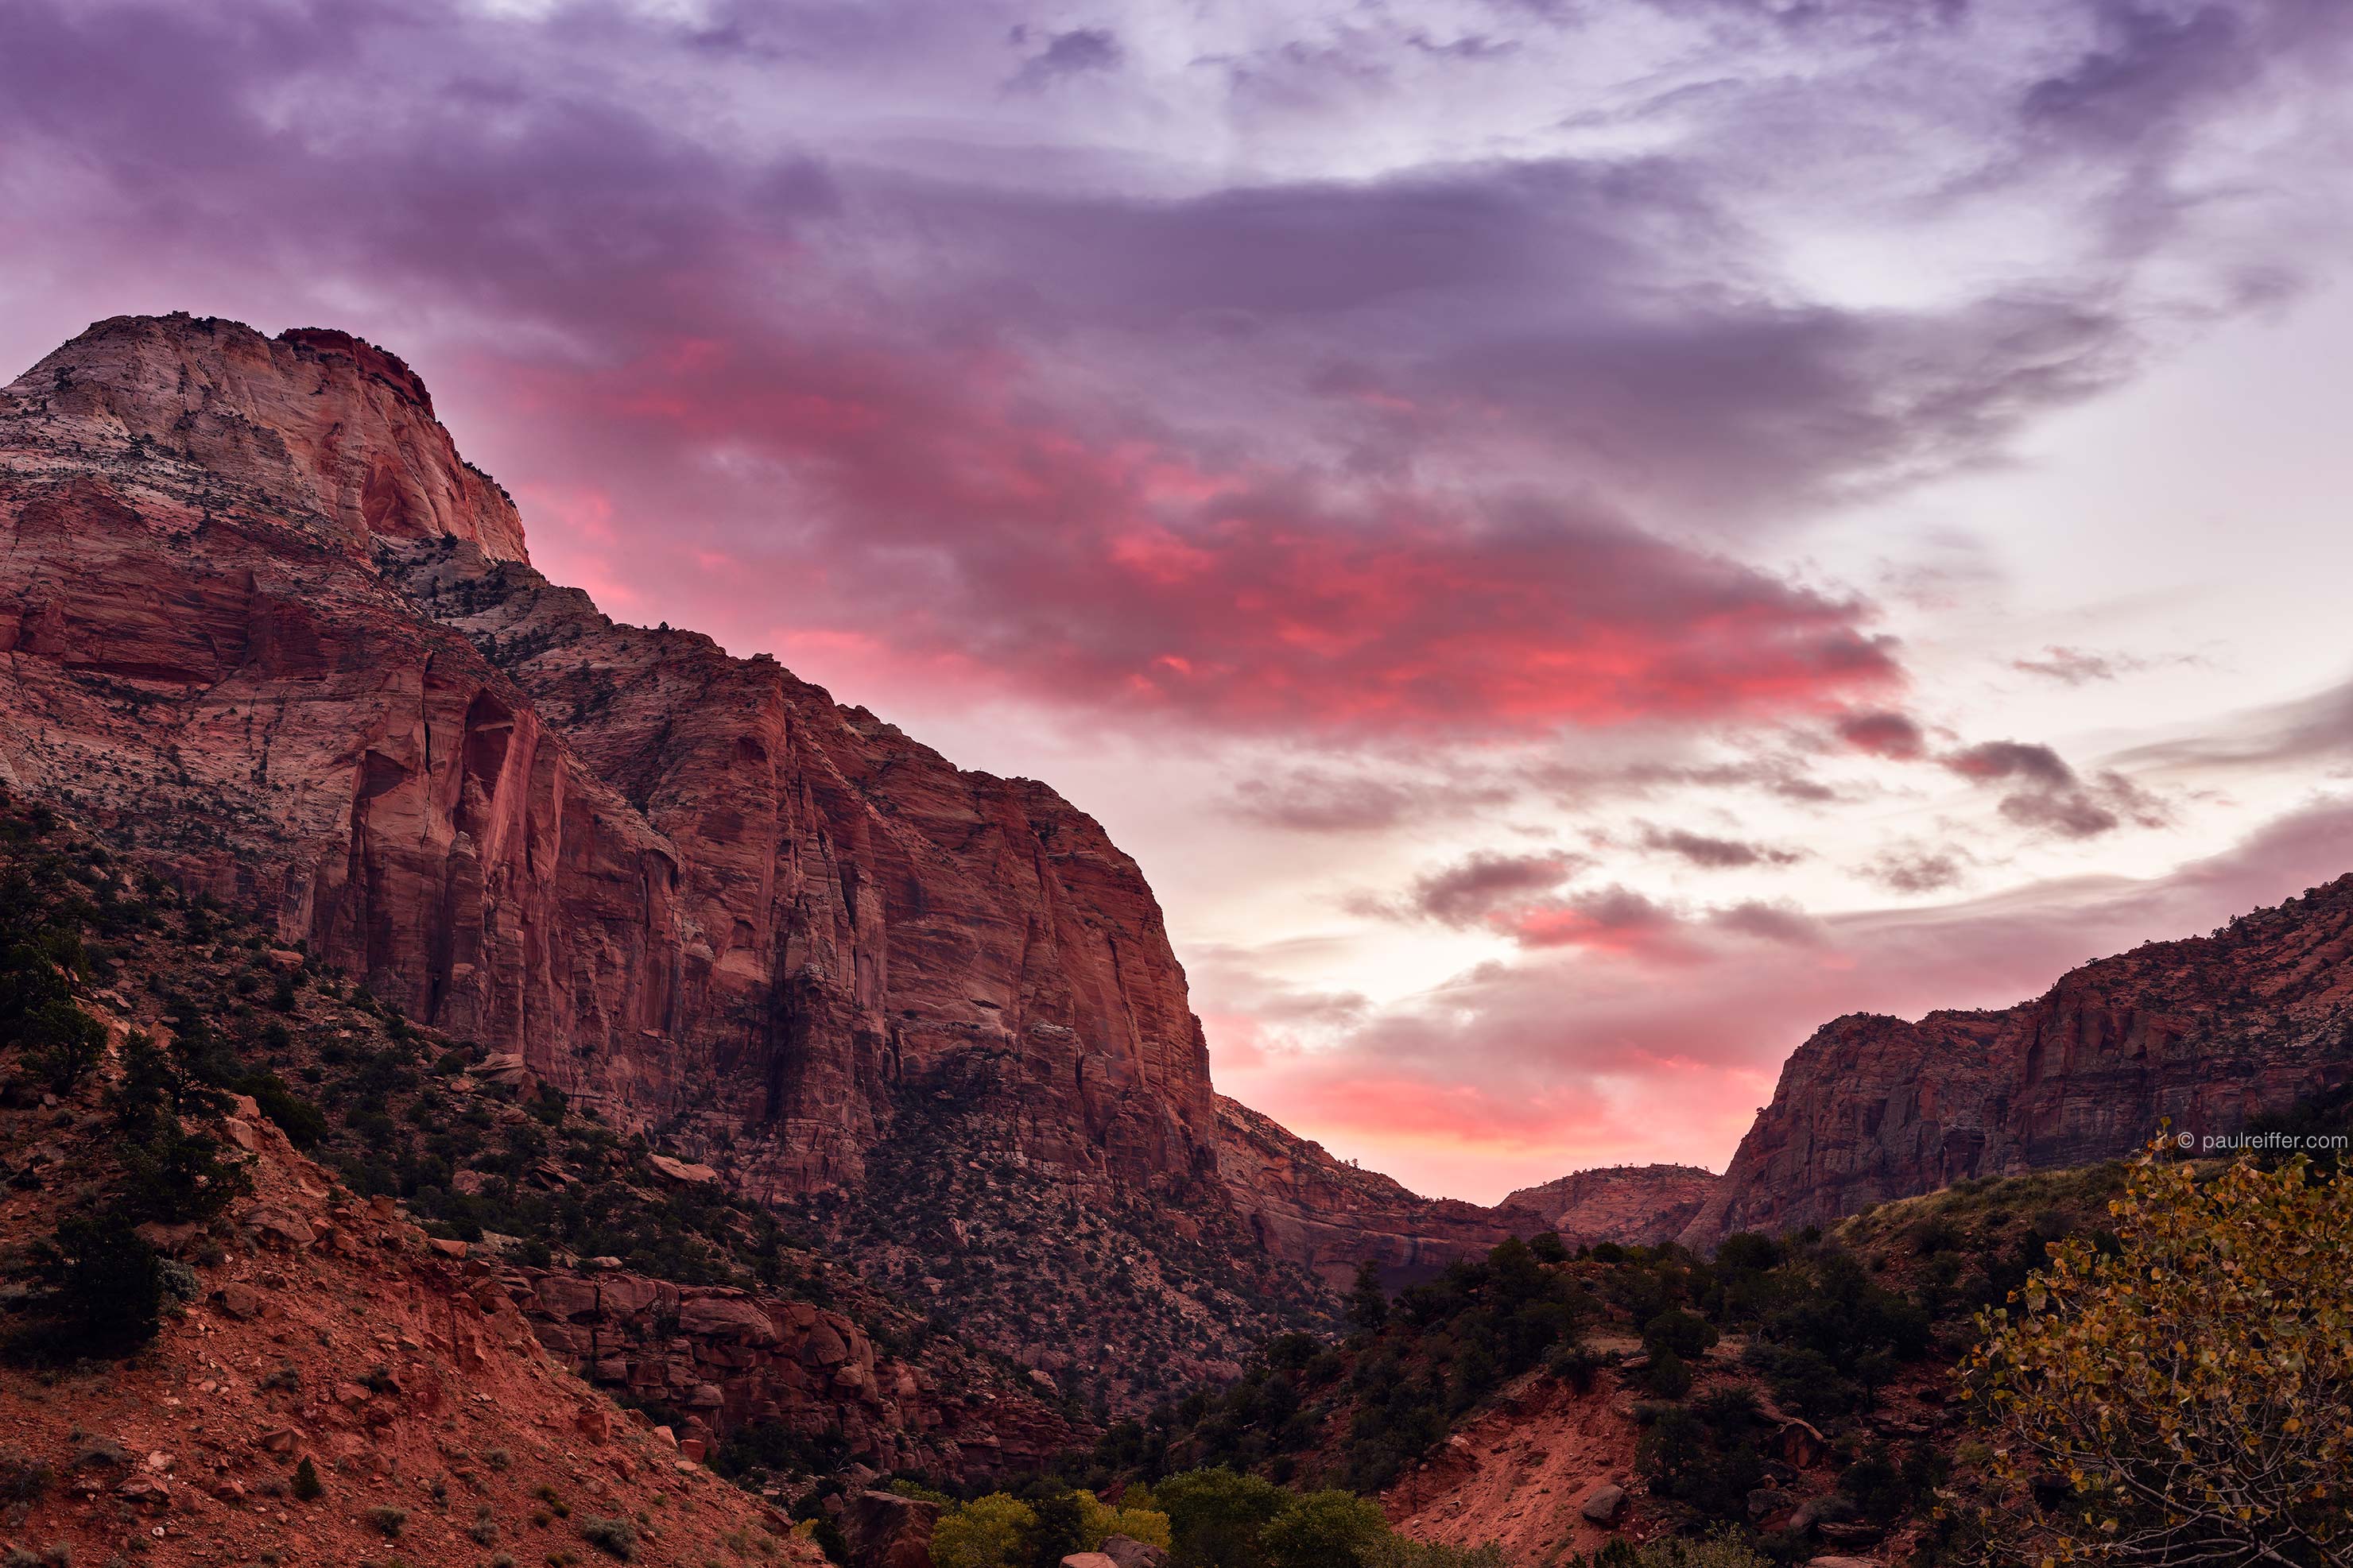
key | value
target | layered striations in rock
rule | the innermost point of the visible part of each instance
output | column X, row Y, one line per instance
column 2204, row 1033
column 679, row 885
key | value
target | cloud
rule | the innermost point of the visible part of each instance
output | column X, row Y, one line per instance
column 1879, row 734
column 2050, row 798
column 1716, row 853
column 1918, row 869
column 2077, row 667
column 1072, row 53
column 1298, row 452
column 1470, row 890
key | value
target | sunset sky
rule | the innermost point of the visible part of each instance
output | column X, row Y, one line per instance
column 1574, row 540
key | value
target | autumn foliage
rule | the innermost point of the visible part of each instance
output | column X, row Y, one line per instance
column 2183, row 1394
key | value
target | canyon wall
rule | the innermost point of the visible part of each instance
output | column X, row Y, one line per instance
column 261, row 621
column 2203, row 1032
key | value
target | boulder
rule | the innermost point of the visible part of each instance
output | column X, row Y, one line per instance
column 1129, row 1553
column 277, row 1227
column 238, row 1301
column 733, row 1317
column 1603, row 1504
column 883, row 1530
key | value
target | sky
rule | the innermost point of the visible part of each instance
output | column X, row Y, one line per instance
column 1574, row 541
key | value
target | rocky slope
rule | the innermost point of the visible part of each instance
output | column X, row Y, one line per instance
column 1638, row 1205
column 307, row 1329
column 1329, row 1215
column 2206, row 1032
column 633, row 1269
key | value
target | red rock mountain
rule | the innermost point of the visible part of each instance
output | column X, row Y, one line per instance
column 681, row 885
column 2204, row 1033
column 263, row 626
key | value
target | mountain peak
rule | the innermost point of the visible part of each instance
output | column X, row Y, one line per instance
column 315, row 427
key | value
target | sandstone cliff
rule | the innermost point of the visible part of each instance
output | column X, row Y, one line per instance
column 1637, row 1206
column 2207, row 1032
column 681, row 886
column 263, row 627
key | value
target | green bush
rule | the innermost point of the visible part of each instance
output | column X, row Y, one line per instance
column 61, row 1043
column 1685, row 1333
column 1667, row 1376
column 306, row 1482
column 1323, row 1530
column 991, row 1531
column 1215, row 1516
column 109, row 1292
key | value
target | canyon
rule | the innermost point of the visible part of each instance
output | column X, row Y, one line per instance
column 267, row 631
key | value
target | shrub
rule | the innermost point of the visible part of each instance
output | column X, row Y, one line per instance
column 109, row 1292
column 990, row 1531
column 62, row 1043
column 1576, row 1365
column 1685, row 1333
column 615, row 1537
column 306, row 1481
column 387, row 1521
column 1323, row 1530
column 1667, row 1376
column 22, row 1479
column 1398, row 1551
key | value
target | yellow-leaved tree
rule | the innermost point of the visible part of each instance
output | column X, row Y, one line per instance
column 2184, row 1397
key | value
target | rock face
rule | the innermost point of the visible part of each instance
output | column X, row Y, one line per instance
column 1637, row 1206
column 2208, row 1033
column 727, row 1359
column 264, row 628
column 262, row 622
column 1328, row 1215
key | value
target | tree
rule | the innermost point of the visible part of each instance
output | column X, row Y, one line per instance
column 1329, row 1528
column 1368, row 1304
column 1215, row 1516
column 992, row 1532
column 62, row 1043
column 1136, row 1517
column 2186, row 1396
column 109, row 1296
column 1685, row 1333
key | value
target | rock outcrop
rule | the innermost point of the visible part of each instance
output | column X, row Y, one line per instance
column 723, row 1360
column 261, row 621
column 1636, row 1205
column 1329, row 1215
column 2203, row 1034
column 264, row 628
